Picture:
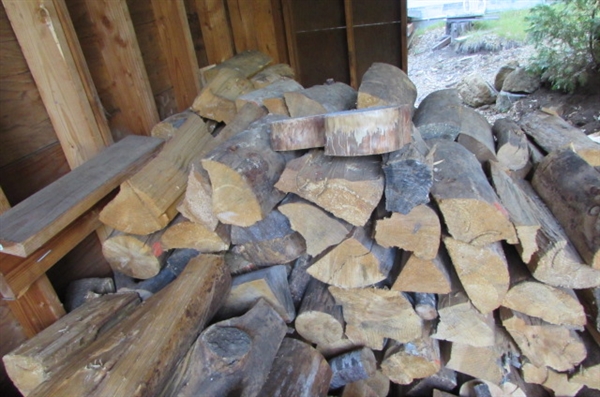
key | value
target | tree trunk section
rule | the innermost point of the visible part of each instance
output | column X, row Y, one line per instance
column 385, row 85
column 298, row 133
column 438, row 115
column 320, row 99
column 511, row 144
column 476, row 135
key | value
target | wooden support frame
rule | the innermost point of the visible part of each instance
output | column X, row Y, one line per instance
column 215, row 30
column 290, row 35
column 53, row 53
column 177, row 45
column 351, row 43
column 404, row 35
column 122, row 58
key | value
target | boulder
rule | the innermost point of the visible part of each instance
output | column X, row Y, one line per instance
column 503, row 72
column 521, row 81
column 475, row 91
column 505, row 100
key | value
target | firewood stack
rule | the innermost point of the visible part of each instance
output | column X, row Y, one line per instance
column 346, row 245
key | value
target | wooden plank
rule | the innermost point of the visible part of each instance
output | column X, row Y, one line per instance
column 49, row 43
column 351, row 43
column 176, row 43
column 240, row 15
column 215, row 28
column 290, row 35
column 123, row 60
column 264, row 28
column 404, row 35
column 280, row 32
column 29, row 225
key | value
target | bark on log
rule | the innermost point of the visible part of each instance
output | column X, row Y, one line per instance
column 438, row 115
column 349, row 188
column 247, row 63
column 552, row 133
column 590, row 299
column 425, row 305
column 270, row 241
column 377, row 385
column 405, row 362
column 320, row 99
column 476, row 135
column 271, row 74
column 351, row 367
column 298, row 133
column 356, row 262
column 298, row 370
column 385, row 85
column 511, row 144
column 421, row 275
column 588, row 373
column 197, row 202
column 482, row 271
column 269, row 283
column 445, row 379
column 319, row 229
column 176, row 263
column 367, row 131
column 36, row 360
column 418, row 231
column 570, row 187
column 544, row 344
column 186, row 234
column 472, row 211
column 242, row 173
column 121, row 364
column 273, row 91
column 372, row 315
column 408, row 179
column 231, row 356
column 319, row 319
column 298, row 279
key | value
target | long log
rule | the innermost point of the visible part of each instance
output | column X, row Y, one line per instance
column 476, row 135
column 349, row 188
column 438, row 115
column 121, row 362
column 298, row 133
column 512, row 150
column 423, row 275
column 570, row 187
column 385, row 85
column 320, row 99
column 230, row 356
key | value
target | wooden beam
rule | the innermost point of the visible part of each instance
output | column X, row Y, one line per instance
column 53, row 53
column 348, row 10
column 123, row 60
column 35, row 220
column 241, row 17
column 403, row 35
column 215, row 28
column 290, row 35
column 177, row 45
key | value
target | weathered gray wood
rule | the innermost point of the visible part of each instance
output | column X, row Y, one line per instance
column 320, row 99
column 85, row 289
column 511, row 144
column 298, row 133
column 385, row 85
column 438, row 115
column 299, row 278
column 352, row 366
column 476, row 135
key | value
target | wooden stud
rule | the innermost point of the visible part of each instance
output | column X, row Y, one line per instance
column 176, row 43
column 215, row 30
column 49, row 43
column 348, row 12
column 290, row 35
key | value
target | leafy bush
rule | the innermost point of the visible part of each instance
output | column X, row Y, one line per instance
column 566, row 35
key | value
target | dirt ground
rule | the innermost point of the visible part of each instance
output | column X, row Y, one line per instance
column 434, row 70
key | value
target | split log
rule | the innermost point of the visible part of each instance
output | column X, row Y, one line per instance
column 559, row 383
column 588, row 373
column 472, row 211
column 420, row 358
column 247, row 63
column 476, row 135
column 425, row 305
column 483, row 272
column 146, row 202
column 120, row 363
column 273, row 91
column 319, row 319
column 511, row 144
column 230, row 356
column 367, row 131
column 555, row 257
column 356, row 262
column 197, row 202
column 590, row 299
column 176, row 263
column 372, row 315
column 269, row 283
column 216, row 101
column 552, row 133
column 350, row 188
column 298, row 133
column 186, row 234
column 320, row 229
column 270, row 241
column 385, row 85
column 298, row 279
column 86, row 289
column 237, row 264
column 271, row 74
column 570, row 187
column 338, row 347
column 351, row 367
column 36, row 360
column 320, row 99
column 421, row 275
column 444, row 379
column 418, row 231
column 242, row 173
column 298, row 370
column 438, row 115
column 169, row 127
column 542, row 343
column 377, row 385
column 408, row 179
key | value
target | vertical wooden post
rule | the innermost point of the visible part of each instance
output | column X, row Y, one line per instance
column 176, row 43
column 53, row 53
column 403, row 35
column 215, row 30
column 39, row 307
column 123, row 59
column 351, row 45
column 290, row 35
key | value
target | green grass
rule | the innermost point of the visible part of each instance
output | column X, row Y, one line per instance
column 421, row 31
column 510, row 25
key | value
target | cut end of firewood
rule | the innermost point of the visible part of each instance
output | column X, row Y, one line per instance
column 298, row 133
column 319, row 328
column 192, row 235
column 132, row 257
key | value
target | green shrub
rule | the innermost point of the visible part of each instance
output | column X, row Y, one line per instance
column 566, row 35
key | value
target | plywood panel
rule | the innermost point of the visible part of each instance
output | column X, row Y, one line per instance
column 378, row 43
column 323, row 55
column 385, row 11
column 318, row 14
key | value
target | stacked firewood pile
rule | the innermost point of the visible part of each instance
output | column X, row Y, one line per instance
column 332, row 241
